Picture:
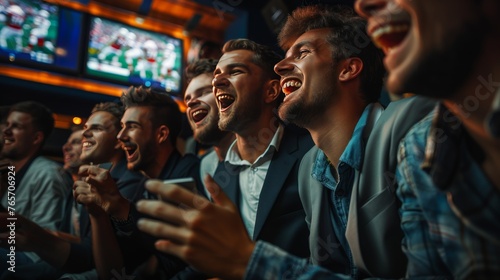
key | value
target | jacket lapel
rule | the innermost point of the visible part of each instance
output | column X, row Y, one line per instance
column 227, row 177
column 281, row 165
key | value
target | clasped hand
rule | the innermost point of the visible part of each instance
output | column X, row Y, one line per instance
column 96, row 188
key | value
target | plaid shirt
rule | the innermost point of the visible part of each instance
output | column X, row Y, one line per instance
column 450, row 211
column 270, row 262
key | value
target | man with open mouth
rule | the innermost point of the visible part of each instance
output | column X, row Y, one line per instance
column 150, row 127
column 203, row 114
column 448, row 163
column 260, row 170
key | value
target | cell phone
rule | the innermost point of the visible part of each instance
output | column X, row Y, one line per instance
column 187, row 182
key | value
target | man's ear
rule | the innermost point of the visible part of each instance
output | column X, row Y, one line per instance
column 350, row 68
column 163, row 133
column 38, row 138
column 273, row 90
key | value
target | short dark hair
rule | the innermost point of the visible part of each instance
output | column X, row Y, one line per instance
column 113, row 108
column 264, row 56
column 348, row 38
column 41, row 116
column 164, row 109
column 4, row 113
column 199, row 67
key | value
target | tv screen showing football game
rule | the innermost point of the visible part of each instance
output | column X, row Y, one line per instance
column 132, row 56
column 38, row 34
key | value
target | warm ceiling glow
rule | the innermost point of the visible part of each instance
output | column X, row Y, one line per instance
column 77, row 120
column 139, row 20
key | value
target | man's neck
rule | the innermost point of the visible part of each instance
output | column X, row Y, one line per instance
column 333, row 130
column 116, row 158
column 253, row 143
column 223, row 145
column 159, row 163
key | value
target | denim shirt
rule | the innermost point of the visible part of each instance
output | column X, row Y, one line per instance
column 270, row 262
column 450, row 210
column 340, row 192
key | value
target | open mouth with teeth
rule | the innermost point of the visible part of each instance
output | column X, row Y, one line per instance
column 199, row 115
column 87, row 145
column 390, row 35
column 225, row 101
column 291, row 86
column 130, row 151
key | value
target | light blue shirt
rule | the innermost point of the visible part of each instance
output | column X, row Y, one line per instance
column 252, row 177
column 340, row 191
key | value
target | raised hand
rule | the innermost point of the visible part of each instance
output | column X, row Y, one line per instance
column 97, row 188
column 209, row 236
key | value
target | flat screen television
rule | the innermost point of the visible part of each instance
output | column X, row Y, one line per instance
column 131, row 56
column 40, row 35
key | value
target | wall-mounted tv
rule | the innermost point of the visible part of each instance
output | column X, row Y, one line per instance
column 40, row 35
column 131, row 56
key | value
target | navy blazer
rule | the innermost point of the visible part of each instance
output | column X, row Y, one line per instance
column 280, row 215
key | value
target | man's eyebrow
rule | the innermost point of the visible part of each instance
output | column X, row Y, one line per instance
column 202, row 89
column 237, row 64
column 231, row 66
column 131, row 122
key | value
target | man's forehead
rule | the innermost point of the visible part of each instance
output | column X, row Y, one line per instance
column 100, row 116
column 235, row 56
column 309, row 35
column 200, row 81
column 19, row 116
column 136, row 112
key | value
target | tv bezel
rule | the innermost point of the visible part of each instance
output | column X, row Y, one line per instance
column 73, row 48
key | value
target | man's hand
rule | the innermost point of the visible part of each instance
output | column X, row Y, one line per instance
column 30, row 237
column 209, row 236
column 27, row 232
column 98, row 188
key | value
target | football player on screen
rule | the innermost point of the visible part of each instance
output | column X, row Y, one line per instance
column 38, row 35
column 12, row 32
column 115, row 48
column 148, row 61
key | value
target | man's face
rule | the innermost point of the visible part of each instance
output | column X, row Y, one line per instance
column 19, row 136
column 239, row 90
column 99, row 138
column 307, row 78
column 138, row 138
column 72, row 150
column 430, row 45
column 202, row 111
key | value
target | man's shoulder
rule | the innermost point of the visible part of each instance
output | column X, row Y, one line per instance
column 405, row 113
column 188, row 159
column 209, row 158
column 42, row 164
column 419, row 133
column 181, row 166
column 41, row 160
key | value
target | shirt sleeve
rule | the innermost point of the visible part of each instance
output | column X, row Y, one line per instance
column 417, row 243
column 270, row 262
column 48, row 199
